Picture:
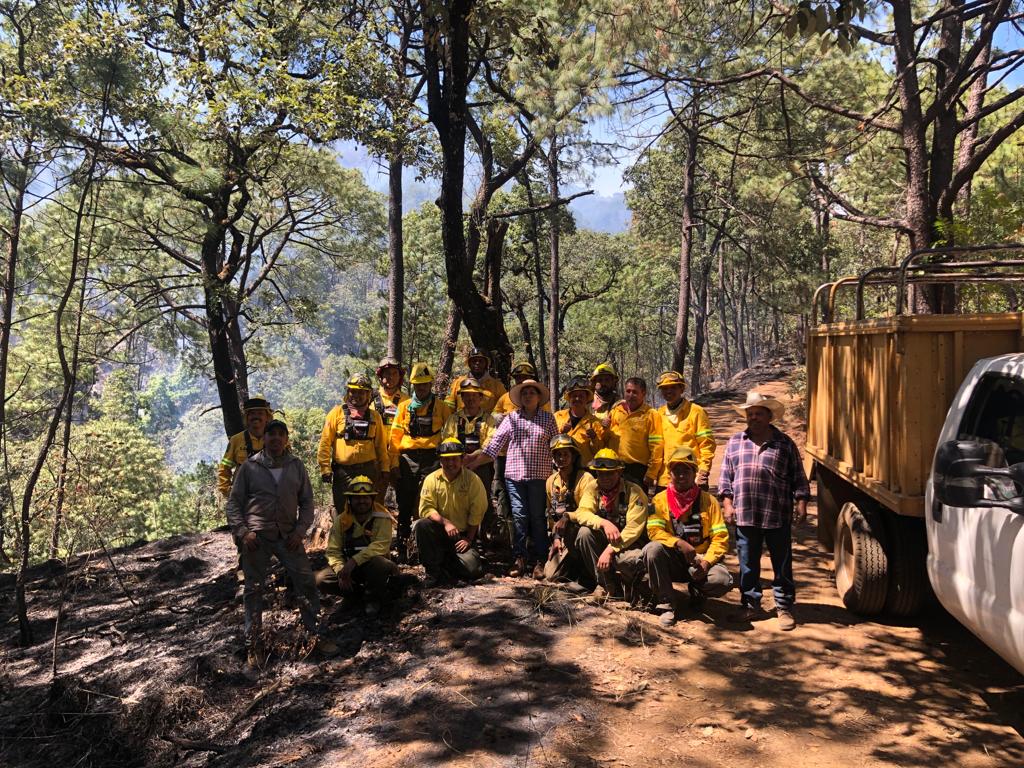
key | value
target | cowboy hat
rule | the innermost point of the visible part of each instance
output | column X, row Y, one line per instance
column 756, row 400
column 514, row 393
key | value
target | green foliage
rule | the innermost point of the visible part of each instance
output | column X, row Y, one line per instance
column 190, row 505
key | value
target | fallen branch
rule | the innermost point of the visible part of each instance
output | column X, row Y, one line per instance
column 195, row 746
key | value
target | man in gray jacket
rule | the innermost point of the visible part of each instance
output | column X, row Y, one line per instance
column 269, row 510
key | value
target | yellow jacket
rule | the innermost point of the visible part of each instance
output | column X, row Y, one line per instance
column 474, row 434
column 402, row 437
column 714, row 535
column 559, row 502
column 462, row 500
column 492, row 387
column 688, row 425
column 636, row 438
column 630, row 516
column 360, row 541
column 337, row 448
column 387, row 406
column 586, row 445
column 237, row 452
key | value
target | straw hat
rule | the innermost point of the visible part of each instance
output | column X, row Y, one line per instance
column 514, row 393
column 756, row 399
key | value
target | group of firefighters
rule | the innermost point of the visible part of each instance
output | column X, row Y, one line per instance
column 607, row 495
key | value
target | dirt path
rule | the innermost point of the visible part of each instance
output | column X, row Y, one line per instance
column 506, row 673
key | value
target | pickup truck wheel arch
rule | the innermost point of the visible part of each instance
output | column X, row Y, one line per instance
column 862, row 567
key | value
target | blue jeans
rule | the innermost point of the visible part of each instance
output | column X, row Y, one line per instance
column 749, row 541
column 529, row 502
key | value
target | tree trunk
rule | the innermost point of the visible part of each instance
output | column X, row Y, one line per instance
column 524, row 328
column 396, row 258
column 680, row 342
column 700, row 326
column 556, row 288
column 451, row 338
column 741, row 323
column 226, row 350
column 722, row 322
column 538, row 279
column 23, row 172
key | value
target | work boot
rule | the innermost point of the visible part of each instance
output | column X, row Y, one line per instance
column 538, row 572
column 518, row 568
column 785, row 620
column 326, row 647
column 697, row 597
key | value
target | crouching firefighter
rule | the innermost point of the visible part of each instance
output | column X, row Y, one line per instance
column 688, row 539
column 566, row 488
column 358, row 549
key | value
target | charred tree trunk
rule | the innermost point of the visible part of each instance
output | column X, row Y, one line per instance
column 700, row 327
column 396, row 258
column 451, row 338
column 524, row 328
column 538, row 279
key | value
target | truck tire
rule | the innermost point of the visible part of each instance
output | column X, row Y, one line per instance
column 862, row 568
column 907, row 551
column 828, row 506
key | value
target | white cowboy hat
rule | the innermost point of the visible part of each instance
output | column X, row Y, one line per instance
column 513, row 394
column 756, row 399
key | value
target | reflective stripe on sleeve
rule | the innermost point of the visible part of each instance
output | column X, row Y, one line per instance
column 718, row 528
column 705, row 433
column 657, row 522
column 227, row 463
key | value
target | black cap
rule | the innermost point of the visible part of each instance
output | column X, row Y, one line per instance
column 277, row 424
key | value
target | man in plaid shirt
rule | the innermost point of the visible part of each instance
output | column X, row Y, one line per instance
column 526, row 433
column 762, row 486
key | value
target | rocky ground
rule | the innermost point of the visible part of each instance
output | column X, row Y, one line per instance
column 147, row 671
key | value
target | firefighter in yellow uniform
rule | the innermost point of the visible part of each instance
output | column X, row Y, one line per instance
column 244, row 444
column 472, row 426
column 635, row 435
column 565, row 488
column 389, row 395
column 613, row 526
column 576, row 421
column 479, row 364
column 606, row 391
column 352, row 442
column 684, row 423
column 688, row 539
column 415, row 435
column 358, row 548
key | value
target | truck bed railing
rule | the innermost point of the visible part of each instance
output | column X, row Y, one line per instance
column 942, row 270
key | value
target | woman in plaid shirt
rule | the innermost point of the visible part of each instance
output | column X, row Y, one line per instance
column 762, row 486
column 527, row 433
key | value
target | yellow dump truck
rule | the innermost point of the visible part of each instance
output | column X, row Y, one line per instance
column 881, row 392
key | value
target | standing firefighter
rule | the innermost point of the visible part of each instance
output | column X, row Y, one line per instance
column 352, row 442
column 684, row 423
column 358, row 548
column 269, row 511
column 576, row 421
column 479, row 364
column 415, row 435
column 606, row 391
column 472, row 426
column 246, row 443
column 635, row 435
column 389, row 395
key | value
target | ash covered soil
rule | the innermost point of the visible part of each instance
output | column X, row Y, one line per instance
column 509, row 672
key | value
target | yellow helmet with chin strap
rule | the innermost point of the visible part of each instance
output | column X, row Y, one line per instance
column 606, row 460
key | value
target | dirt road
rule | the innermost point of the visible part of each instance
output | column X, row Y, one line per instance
column 505, row 673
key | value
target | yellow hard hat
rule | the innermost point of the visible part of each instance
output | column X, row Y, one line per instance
column 451, row 447
column 359, row 381
column 683, row 454
column 560, row 442
column 421, row 374
column 524, row 369
column 361, row 486
column 602, row 369
column 606, row 460
column 671, row 379
column 471, row 385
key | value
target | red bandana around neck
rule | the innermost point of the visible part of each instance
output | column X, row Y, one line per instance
column 611, row 499
column 679, row 504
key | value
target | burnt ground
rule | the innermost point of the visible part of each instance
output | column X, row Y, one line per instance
column 505, row 673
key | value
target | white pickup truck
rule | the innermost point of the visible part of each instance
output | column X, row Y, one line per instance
column 975, row 507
